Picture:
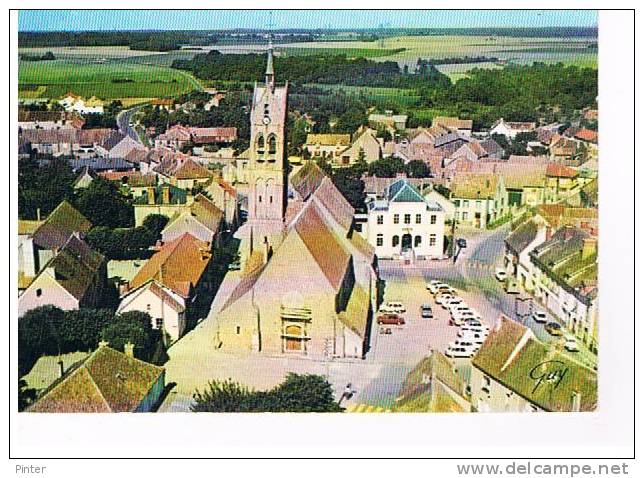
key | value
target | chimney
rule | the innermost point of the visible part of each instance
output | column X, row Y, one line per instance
column 266, row 250
column 38, row 214
column 576, row 402
column 166, row 195
column 588, row 248
column 61, row 368
column 128, row 348
column 150, row 195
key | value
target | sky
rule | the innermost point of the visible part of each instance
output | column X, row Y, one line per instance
column 74, row 20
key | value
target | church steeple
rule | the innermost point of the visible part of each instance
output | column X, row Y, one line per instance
column 270, row 72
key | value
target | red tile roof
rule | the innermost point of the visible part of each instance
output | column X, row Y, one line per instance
column 556, row 170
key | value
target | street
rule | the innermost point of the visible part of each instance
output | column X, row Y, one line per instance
column 123, row 119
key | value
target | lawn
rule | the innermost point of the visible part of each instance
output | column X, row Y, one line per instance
column 106, row 80
column 348, row 51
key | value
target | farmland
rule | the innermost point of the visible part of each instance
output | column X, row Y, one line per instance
column 109, row 80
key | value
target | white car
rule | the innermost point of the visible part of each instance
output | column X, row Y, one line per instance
column 482, row 329
column 454, row 301
column 442, row 298
column 540, row 317
column 501, row 274
column 570, row 344
column 431, row 285
column 476, row 337
column 393, row 306
column 464, row 342
column 440, row 287
column 458, row 351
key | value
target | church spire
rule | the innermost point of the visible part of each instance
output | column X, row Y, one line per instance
column 270, row 72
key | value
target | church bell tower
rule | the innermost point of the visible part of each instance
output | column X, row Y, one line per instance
column 267, row 170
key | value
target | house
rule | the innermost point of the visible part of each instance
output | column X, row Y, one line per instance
column 433, row 386
column 164, row 199
column 73, row 102
column 187, row 174
column 560, row 215
column 107, row 381
column 405, row 224
column 461, row 126
column 515, row 372
column 493, row 150
column 99, row 165
column 565, row 278
column 479, row 198
column 567, row 151
column 84, row 178
column 224, row 196
column 329, row 146
column 365, row 147
column 525, row 183
column 561, row 182
column 169, row 283
column 178, row 136
column 202, row 220
column 74, row 278
column 388, row 120
column 166, row 104
column 55, row 142
column 518, row 246
column 132, row 183
column 40, row 240
column 48, row 120
column 510, row 129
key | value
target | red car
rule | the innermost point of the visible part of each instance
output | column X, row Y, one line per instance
column 390, row 319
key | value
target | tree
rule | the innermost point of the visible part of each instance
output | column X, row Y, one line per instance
column 133, row 328
column 104, row 205
column 38, row 335
column 155, row 223
column 417, row 169
column 386, row 167
column 298, row 393
column 43, row 187
column 26, row 395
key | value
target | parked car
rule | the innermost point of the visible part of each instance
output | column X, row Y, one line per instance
column 431, row 284
column 440, row 298
column 390, row 319
column 481, row 329
column 553, row 328
column 426, row 312
column 447, row 304
column 393, row 306
column 462, row 243
column 571, row 344
column 540, row 317
column 462, row 342
column 459, row 309
column 476, row 337
column 501, row 274
column 459, row 351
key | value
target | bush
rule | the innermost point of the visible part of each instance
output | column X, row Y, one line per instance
column 298, row 393
column 155, row 223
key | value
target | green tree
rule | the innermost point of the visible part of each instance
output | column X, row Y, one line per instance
column 26, row 395
column 155, row 223
column 43, row 187
column 386, row 167
column 417, row 169
column 104, row 205
column 129, row 328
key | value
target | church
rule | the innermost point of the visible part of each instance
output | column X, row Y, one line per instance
column 308, row 284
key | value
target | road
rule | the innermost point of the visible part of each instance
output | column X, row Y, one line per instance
column 123, row 119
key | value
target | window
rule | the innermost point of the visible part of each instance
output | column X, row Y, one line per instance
column 432, row 219
column 432, row 239
column 396, row 218
column 380, row 219
column 407, row 218
column 479, row 204
column 464, row 216
column 158, row 323
column 272, row 144
column 260, row 144
column 147, row 308
column 38, row 292
column 395, row 241
column 259, row 198
column 457, row 202
column 238, row 330
column 417, row 241
column 418, row 219
column 466, row 203
column 379, row 240
column 270, row 199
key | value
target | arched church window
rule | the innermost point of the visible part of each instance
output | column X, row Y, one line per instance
column 395, row 241
column 260, row 144
column 272, row 144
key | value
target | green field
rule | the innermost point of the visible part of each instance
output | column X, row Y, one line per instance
column 348, row 51
column 108, row 80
